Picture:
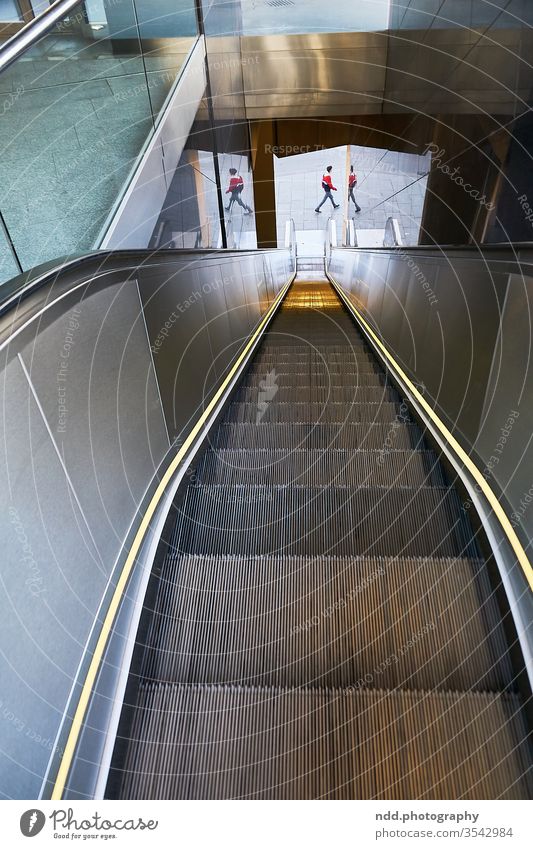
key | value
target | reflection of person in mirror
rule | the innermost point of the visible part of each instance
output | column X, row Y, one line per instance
column 328, row 187
column 352, row 182
column 235, row 189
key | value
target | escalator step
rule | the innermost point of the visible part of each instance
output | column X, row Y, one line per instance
column 385, row 411
column 320, row 468
column 314, row 394
column 323, row 380
column 295, row 328
column 218, row 742
column 370, row 436
column 426, row 521
column 344, row 349
column 349, row 358
column 316, row 348
column 318, row 371
column 300, row 621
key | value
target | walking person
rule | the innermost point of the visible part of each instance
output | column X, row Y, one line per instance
column 352, row 182
column 328, row 187
column 235, row 189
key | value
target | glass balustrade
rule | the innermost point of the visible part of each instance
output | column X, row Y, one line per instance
column 76, row 110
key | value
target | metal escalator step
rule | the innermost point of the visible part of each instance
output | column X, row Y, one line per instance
column 315, row 394
column 318, row 370
column 427, row 521
column 331, row 324
column 314, row 350
column 324, row 353
column 332, row 330
column 314, row 413
column 299, row 336
column 218, row 742
column 315, row 346
column 323, row 380
column 334, row 346
column 301, row 621
column 310, row 356
column 307, row 364
column 329, row 321
column 315, row 467
column 292, row 435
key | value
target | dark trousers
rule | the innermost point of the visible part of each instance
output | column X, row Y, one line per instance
column 236, row 196
column 352, row 198
column 327, row 194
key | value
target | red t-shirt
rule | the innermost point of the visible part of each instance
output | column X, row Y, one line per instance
column 353, row 180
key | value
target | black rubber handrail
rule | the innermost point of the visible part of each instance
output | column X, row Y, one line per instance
column 66, row 272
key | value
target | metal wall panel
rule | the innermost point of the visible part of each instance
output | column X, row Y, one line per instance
column 417, row 313
column 440, row 314
column 318, row 74
column 184, row 352
column 253, row 280
column 393, row 313
column 52, row 579
column 467, row 318
column 234, row 291
column 211, row 284
column 365, row 73
column 94, row 356
column 219, row 300
column 373, row 272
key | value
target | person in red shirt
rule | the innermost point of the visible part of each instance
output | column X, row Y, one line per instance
column 352, row 182
column 235, row 188
column 328, row 187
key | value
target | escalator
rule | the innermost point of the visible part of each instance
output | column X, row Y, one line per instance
column 323, row 623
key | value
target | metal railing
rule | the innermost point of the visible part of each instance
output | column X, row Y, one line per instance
column 392, row 237
column 351, row 233
column 330, row 240
column 33, row 31
column 290, row 240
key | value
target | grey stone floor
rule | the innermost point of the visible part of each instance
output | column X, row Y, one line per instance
column 381, row 174
column 70, row 132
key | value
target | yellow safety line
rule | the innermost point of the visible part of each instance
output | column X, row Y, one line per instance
column 461, row 453
column 92, row 672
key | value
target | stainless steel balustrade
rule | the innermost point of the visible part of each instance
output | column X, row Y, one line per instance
column 458, row 323
column 107, row 364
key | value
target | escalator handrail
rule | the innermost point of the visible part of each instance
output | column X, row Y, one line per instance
column 477, row 249
column 33, row 31
column 16, row 290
